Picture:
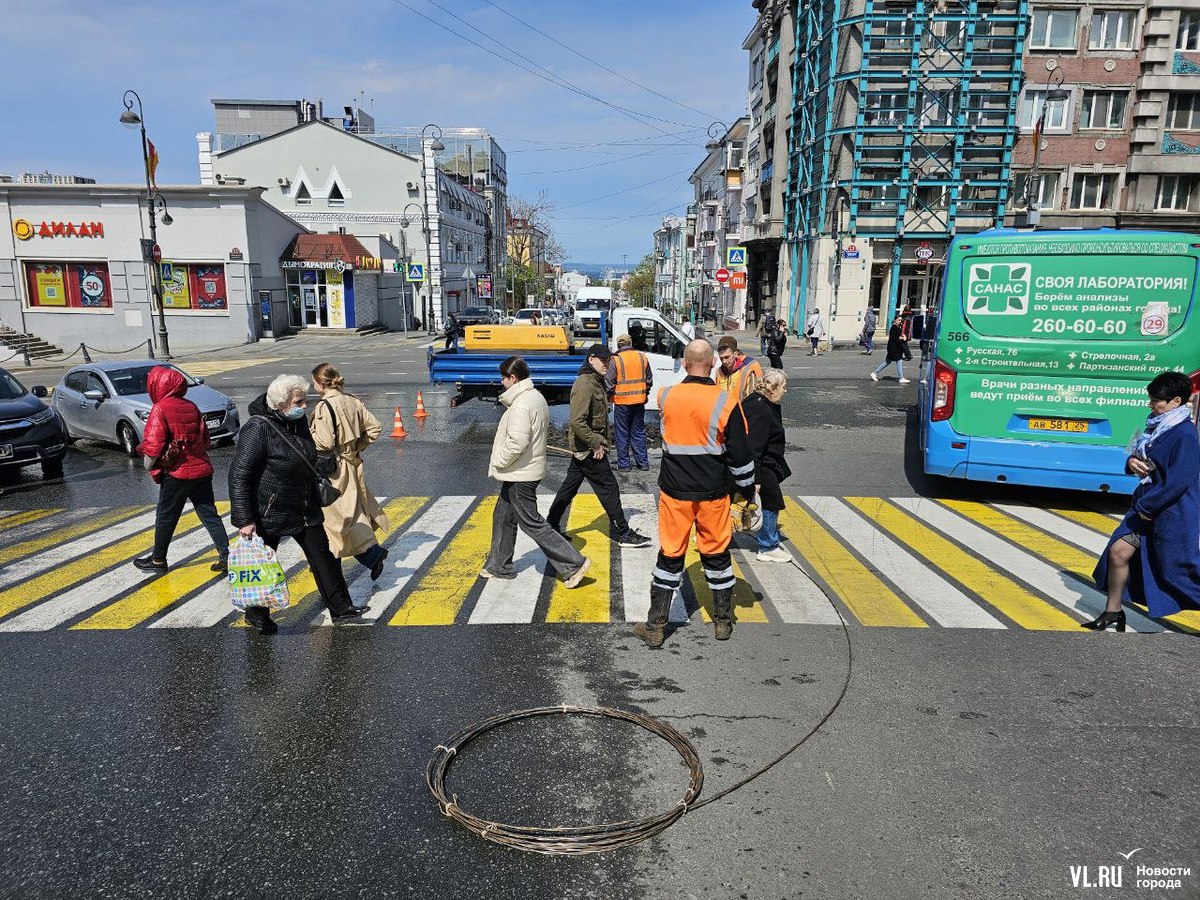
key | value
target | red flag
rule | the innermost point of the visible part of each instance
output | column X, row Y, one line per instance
column 151, row 163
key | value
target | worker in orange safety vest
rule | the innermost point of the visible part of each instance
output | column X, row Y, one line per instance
column 738, row 374
column 629, row 380
column 706, row 457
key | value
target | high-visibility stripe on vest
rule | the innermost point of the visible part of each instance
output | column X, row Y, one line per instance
column 737, row 383
column 693, row 419
column 632, row 371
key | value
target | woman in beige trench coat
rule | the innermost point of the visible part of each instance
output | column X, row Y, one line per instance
column 352, row 520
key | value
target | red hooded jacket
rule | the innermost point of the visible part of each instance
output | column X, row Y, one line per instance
column 174, row 418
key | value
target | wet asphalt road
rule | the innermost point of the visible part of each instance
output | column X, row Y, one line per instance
column 216, row 763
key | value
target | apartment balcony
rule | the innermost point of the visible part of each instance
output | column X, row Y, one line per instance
column 773, row 51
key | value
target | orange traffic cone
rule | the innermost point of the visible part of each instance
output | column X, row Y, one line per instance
column 420, row 413
column 398, row 426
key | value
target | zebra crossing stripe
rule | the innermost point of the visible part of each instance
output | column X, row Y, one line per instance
column 443, row 590
column 1098, row 522
column 24, row 518
column 866, row 596
column 1051, row 523
column 589, row 602
column 89, row 521
column 942, row 601
column 1016, row 602
column 637, row 564
column 514, row 600
column 790, row 589
column 58, row 556
column 1023, row 563
column 66, row 604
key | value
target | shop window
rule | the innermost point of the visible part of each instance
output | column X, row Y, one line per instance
column 1183, row 112
column 71, row 285
column 1094, row 191
column 194, row 286
column 1053, row 29
column 1112, row 30
column 1188, row 37
column 1103, row 109
column 1033, row 102
column 1175, row 192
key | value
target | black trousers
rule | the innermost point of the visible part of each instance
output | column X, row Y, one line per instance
column 173, row 495
column 326, row 568
column 599, row 475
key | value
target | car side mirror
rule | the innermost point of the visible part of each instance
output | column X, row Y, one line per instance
column 198, row 380
column 40, row 391
column 94, row 395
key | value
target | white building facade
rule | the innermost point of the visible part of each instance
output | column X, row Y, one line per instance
column 717, row 183
column 671, row 264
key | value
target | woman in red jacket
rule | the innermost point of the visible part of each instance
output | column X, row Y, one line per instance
column 176, row 438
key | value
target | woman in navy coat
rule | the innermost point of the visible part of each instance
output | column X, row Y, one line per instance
column 1154, row 555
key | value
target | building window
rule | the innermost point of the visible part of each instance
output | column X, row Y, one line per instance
column 69, row 285
column 932, row 196
column 1103, row 109
column 194, row 286
column 1189, row 31
column 1032, row 104
column 944, row 37
column 1183, row 112
column 1053, row 29
column 302, row 196
column 336, row 198
column 886, row 109
column 897, row 35
column 1112, row 30
column 1045, row 189
column 1175, row 192
column 1094, row 191
column 938, row 106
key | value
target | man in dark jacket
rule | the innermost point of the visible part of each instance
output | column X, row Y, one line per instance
column 176, row 440
column 587, row 439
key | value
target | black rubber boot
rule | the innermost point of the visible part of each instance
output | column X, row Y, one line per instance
column 723, row 614
column 653, row 630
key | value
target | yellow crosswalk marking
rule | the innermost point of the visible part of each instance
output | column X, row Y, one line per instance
column 302, row 587
column 1018, row 603
column 588, row 602
column 50, row 583
column 746, row 607
column 61, row 536
column 155, row 595
column 24, row 518
column 1066, row 556
column 1088, row 519
column 444, row 589
column 218, row 366
column 871, row 601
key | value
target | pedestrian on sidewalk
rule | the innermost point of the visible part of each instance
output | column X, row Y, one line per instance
column 814, row 329
column 765, row 324
column 768, row 443
column 273, row 492
column 688, row 330
column 518, row 462
column 776, row 343
column 628, row 380
column 176, row 443
column 342, row 428
column 738, row 374
column 1153, row 556
column 870, row 323
column 897, row 347
column 706, row 457
column 588, row 439
column 452, row 332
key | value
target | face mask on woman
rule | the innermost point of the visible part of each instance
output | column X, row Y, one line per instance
column 296, row 412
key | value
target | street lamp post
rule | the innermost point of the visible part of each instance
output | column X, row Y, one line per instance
column 1032, row 214
column 431, row 143
column 405, row 221
column 154, row 203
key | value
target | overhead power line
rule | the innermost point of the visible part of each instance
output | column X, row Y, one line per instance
column 626, row 190
column 607, row 162
column 599, row 64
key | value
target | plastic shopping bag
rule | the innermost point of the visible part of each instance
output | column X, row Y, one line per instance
column 255, row 576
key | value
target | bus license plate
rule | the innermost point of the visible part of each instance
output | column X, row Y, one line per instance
column 1076, row 426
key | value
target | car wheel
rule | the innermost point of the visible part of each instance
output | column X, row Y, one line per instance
column 52, row 468
column 127, row 438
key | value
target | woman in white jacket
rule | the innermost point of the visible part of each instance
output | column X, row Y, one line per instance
column 814, row 329
column 519, row 462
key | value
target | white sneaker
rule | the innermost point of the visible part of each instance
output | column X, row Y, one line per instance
column 905, row 381
column 577, row 576
column 775, row 554
column 873, row 377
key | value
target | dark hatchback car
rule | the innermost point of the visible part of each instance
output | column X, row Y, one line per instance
column 476, row 315
column 30, row 431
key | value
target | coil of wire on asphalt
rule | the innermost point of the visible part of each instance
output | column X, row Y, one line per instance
column 563, row 841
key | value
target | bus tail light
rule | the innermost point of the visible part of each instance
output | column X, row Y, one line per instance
column 943, row 391
column 1194, row 378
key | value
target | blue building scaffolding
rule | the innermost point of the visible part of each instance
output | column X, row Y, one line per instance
column 902, row 132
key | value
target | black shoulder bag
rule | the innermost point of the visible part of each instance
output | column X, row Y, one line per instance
column 327, row 463
column 327, row 494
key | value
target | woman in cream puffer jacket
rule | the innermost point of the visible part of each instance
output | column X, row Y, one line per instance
column 519, row 449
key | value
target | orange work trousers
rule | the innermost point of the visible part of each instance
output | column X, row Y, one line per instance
column 711, row 519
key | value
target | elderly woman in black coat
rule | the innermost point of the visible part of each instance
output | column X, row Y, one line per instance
column 764, row 416
column 273, row 492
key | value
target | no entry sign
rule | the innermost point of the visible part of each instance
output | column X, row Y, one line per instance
column 722, row 276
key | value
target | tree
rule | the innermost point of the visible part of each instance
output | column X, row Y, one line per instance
column 529, row 228
column 640, row 285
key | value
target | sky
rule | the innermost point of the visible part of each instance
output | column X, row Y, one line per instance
column 612, row 174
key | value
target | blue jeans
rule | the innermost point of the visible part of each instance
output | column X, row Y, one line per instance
column 630, row 426
column 869, row 342
column 883, row 365
column 768, row 535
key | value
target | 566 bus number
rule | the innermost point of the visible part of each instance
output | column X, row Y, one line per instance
column 1079, row 326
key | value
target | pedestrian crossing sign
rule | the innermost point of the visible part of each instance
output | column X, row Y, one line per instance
column 416, row 272
column 735, row 256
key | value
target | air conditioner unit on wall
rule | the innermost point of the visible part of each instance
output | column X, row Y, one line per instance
column 412, row 185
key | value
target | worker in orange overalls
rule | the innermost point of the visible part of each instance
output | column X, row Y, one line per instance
column 629, row 380
column 706, row 457
column 738, row 374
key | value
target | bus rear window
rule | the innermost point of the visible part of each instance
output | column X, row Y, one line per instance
column 1092, row 297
